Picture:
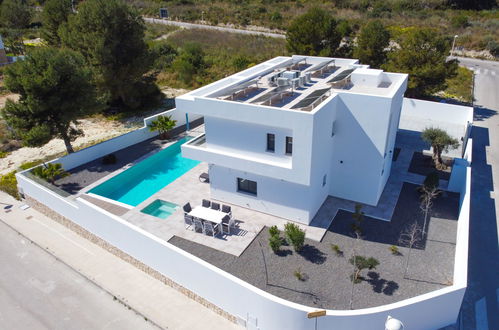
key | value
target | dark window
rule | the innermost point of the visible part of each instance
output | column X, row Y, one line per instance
column 289, row 145
column 246, row 186
column 324, row 180
column 270, row 142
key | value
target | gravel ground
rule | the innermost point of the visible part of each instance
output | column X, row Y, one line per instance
column 422, row 164
column 326, row 281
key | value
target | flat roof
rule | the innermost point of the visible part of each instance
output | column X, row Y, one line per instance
column 300, row 82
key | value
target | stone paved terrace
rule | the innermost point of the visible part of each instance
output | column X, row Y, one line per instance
column 189, row 188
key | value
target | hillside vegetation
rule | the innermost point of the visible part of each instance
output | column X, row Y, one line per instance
column 476, row 22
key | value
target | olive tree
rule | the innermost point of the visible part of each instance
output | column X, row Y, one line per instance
column 440, row 141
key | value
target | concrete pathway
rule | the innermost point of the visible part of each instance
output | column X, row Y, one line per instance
column 152, row 299
column 211, row 27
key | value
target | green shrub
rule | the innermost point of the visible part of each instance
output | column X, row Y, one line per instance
column 299, row 275
column 50, row 172
column 493, row 47
column 362, row 263
column 295, row 236
column 459, row 21
column 336, row 249
column 4, row 154
column 275, row 243
column 28, row 165
column 394, row 250
column 8, row 184
column 274, row 231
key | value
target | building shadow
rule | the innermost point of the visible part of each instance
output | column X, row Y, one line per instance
column 481, row 113
column 483, row 253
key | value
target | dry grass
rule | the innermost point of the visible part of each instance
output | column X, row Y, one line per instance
column 221, row 49
column 483, row 25
column 154, row 31
column 231, row 43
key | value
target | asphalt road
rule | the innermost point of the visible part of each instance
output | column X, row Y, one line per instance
column 211, row 27
column 39, row 292
column 480, row 308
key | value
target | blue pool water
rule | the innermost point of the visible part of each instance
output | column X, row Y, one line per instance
column 146, row 178
column 161, row 209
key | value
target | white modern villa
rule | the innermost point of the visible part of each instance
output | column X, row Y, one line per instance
column 284, row 134
column 298, row 139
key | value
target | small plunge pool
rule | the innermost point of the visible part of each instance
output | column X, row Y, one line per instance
column 160, row 209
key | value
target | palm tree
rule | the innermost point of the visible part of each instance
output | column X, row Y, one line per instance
column 50, row 172
column 163, row 124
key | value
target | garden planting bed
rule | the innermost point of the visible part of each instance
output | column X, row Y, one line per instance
column 326, row 275
column 424, row 165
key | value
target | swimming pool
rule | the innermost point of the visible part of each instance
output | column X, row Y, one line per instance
column 146, row 178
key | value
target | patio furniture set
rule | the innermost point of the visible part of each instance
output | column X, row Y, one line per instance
column 209, row 218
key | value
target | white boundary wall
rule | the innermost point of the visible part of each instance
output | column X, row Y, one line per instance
column 429, row 311
column 112, row 145
column 438, row 112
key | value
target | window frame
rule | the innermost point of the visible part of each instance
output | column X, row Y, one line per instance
column 288, row 143
column 270, row 135
column 246, row 189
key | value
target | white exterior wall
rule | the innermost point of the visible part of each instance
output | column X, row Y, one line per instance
column 359, row 146
column 249, row 139
column 439, row 308
column 323, row 147
column 281, row 198
column 298, row 122
column 395, row 113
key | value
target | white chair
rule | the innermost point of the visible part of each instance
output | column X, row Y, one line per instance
column 198, row 226
column 188, row 221
column 210, row 229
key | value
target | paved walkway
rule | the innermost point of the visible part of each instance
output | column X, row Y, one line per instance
column 154, row 300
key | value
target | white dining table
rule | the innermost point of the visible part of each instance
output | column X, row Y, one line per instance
column 208, row 214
